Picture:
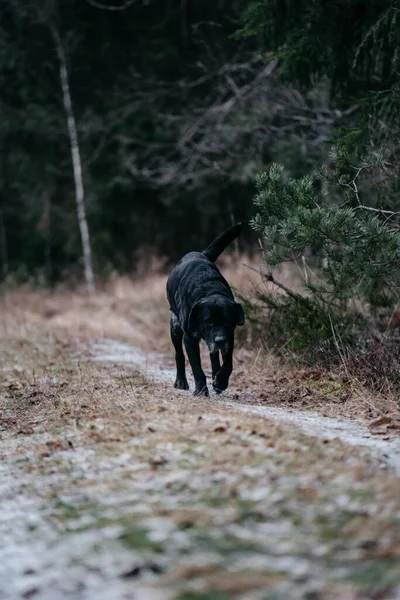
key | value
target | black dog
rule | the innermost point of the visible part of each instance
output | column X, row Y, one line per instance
column 203, row 307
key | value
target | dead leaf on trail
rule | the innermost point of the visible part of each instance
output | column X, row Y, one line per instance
column 30, row 592
column 385, row 552
column 15, row 385
column 241, row 582
column 220, row 429
column 308, row 491
column 26, row 430
column 385, row 425
column 57, row 445
column 380, row 421
column 95, row 436
column 139, row 569
column 157, row 461
column 195, row 570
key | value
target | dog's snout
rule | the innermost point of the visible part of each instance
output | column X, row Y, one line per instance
column 220, row 343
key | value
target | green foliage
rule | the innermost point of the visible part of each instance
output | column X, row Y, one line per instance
column 304, row 327
column 355, row 48
column 356, row 45
column 341, row 223
column 354, row 251
column 361, row 251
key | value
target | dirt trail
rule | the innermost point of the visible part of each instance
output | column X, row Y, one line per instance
column 115, row 486
column 155, row 367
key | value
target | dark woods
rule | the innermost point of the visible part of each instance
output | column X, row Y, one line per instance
column 158, row 93
column 147, row 121
column 174, row 117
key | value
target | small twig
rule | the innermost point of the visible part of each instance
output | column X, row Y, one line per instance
column 381, row 211
column 353, row 185
column 393, row 315
column 304, row 262
column 270, row 277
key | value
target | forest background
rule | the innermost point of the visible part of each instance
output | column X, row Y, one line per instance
column 137, row 130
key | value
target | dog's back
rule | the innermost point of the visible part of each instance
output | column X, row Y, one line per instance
column 196, row 276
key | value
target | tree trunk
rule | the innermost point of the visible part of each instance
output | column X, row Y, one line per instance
column 76, row 161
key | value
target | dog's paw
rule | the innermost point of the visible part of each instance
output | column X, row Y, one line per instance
column 201, row 391
column 219, row 384
column 181, row 384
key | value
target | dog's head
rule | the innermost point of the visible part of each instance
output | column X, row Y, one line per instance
column 214, row 320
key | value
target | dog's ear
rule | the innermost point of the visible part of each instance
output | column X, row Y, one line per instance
column 193, row 323
column 239, row 314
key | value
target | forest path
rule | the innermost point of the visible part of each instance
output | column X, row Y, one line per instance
column 160, row 368
column 113, row 485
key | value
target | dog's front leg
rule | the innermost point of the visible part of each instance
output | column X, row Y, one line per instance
column 215, row 364
column 193, row 352
column 221, row 379
column 176, row 337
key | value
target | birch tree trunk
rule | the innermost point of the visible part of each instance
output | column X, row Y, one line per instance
column 76, row 161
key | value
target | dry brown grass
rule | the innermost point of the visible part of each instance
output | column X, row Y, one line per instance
column 134, row 310
column 232, row 489
column 214, row 477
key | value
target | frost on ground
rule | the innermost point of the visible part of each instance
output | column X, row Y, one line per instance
column 115, row 486
column 156, row 367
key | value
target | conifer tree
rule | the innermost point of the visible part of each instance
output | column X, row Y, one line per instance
column 349, row 251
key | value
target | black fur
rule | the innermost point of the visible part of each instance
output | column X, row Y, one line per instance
column 203, row 307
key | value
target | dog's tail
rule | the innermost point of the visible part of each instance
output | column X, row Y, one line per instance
column 222, row 241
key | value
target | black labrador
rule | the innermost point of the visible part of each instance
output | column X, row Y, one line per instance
column 203, row 307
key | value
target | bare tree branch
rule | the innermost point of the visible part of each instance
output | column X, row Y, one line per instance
column 269, row 277
column 352, row 185
column 243, row 115
column 389, row 213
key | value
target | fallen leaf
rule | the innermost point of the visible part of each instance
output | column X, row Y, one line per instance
column 30, row 593
column 134, row 572
column 380, row 421
column 394, row 425
column 26, row 430
column 157, row 461
column 220, row 429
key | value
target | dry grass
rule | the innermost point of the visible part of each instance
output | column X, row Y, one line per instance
column 211, row 502
column 217, row 504
column 135, row 311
